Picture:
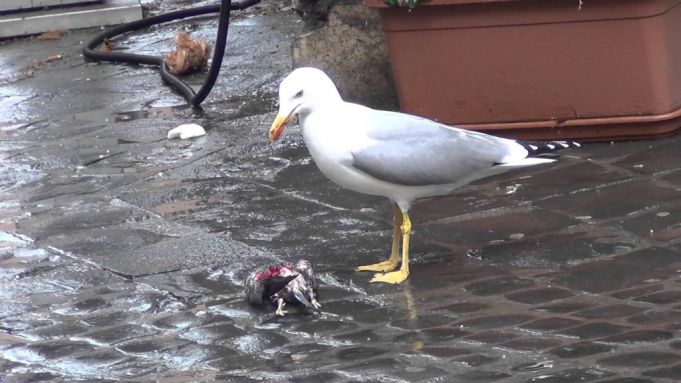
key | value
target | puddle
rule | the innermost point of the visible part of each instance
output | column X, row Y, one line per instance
column 31, row 254
column 250, row 344
column 269, row 233
column 188, row 359
column 23, row 355
column 130, row 116
column 229, row 312
column 175, row 207
column 547, row 364
column 151, row 111
column 14, row 238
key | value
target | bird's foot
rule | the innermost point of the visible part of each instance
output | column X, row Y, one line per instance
column 281, row 313
column 382, row 267
column 280, row 308
column 315, row 303
column 398, row 276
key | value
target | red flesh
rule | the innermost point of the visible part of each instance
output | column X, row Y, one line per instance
column 275, row 271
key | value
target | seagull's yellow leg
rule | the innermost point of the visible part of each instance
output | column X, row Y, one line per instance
column 391, row 263
column 400, row 275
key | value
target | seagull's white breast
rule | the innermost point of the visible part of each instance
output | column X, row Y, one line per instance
column 331, row 135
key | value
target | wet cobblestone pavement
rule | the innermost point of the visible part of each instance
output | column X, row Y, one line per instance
column 122, row 254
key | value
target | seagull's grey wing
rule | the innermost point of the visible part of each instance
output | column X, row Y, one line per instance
column 413, row 151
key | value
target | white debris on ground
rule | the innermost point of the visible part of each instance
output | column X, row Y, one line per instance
column 185, row 131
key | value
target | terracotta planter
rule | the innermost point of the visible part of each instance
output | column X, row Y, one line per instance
column 537, row 69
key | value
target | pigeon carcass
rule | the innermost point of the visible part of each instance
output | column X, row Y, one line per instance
column 283, row 283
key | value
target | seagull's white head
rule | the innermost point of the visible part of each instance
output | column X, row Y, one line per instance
column 299, row 94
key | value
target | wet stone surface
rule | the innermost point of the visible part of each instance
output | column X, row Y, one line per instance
column 123, row 254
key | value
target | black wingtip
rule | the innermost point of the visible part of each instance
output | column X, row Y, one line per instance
column 542, row 147
column 275, row 284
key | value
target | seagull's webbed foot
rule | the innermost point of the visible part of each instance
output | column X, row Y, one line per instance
column 382, row 267
column 398, row 276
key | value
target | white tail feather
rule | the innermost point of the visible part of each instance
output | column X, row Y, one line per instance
column 530, row 161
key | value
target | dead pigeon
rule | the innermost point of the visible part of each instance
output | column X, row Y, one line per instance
column 284, row 283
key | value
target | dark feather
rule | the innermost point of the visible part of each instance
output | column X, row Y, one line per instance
column 275, row 284
column 258, row 291
column 535, row 148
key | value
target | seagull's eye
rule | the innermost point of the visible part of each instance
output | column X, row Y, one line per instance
column 299, row 94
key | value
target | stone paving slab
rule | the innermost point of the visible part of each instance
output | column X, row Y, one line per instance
column 123, row 254
column 54, row 15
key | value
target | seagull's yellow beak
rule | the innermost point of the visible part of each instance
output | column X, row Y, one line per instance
column 278, row 125
column 280, row 121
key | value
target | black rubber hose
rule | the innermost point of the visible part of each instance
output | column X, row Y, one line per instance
column 131, row 58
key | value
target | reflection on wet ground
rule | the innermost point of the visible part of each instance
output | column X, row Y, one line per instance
column 123, row 254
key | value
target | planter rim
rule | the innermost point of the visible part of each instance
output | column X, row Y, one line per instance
column 586, row 129
column 381, row 4
column 619, row 120
column 476, row 13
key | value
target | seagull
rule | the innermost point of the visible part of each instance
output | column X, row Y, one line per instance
column 391, row 154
